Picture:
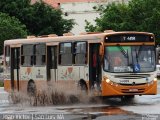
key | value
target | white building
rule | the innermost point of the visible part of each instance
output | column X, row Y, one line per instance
column 79, row 10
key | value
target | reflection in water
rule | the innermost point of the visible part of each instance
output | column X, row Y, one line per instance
column 108, row 110
column 96, row 111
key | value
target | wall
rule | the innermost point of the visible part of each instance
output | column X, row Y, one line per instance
column 81, row 11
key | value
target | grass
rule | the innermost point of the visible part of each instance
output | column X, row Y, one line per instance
column 1, row 84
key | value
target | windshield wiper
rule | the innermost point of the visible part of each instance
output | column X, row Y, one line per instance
column 139, row 50
column 124, row 53
column 138, row 53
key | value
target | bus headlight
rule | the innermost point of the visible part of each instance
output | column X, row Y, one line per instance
column 155, row 79
column 107, row 80
column 111, row 83
column 151, row 82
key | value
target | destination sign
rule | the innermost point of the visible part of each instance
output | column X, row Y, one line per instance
column 129, row 38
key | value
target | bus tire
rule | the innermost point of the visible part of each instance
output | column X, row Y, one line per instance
column 31, row 88
column 82, row 86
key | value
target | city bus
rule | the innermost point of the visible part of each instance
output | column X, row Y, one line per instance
column 105, row 64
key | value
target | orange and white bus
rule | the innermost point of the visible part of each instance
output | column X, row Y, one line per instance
column 109, row 63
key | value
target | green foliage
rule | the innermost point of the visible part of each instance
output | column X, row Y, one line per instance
column 1, row 84
column 114, row 16
column 138, row 15
column 89, row 27
column 145, row 15
column 10, row 28
column 39, row 18
column 14, row 7
column 48, row 20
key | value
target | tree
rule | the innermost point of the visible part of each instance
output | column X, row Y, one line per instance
column 15, row 7
column 39, row 18
column 145, row 15
column 113, row 16
column 138, row 15
column 48, row 20
column 10, row 28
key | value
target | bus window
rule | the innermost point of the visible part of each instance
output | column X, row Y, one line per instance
column 80, row 52
column 65, row 57
column 40, row 54
column 7, row 51
column 27, row 52
column 7, row 55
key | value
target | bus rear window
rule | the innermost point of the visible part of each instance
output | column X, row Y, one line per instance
column 7, row 51
column 7, row 56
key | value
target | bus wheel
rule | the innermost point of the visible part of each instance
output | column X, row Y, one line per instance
column 73, row 99
column 31, row 88
column 82, row 86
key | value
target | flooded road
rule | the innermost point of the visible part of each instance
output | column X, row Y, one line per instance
column 140, row 108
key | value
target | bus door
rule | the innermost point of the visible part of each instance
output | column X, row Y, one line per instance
column 15, row 65
column 52, row 63
column 94, row 66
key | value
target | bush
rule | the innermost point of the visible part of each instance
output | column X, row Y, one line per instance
column 1, row 84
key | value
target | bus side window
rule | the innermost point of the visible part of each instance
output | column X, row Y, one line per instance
column 27, row 53
column 80, row 53
column 65, row 53
column 40, row 54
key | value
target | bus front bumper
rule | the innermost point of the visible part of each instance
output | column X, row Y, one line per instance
column 112, row 89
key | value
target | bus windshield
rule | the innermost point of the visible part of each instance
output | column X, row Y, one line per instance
column 129, row 59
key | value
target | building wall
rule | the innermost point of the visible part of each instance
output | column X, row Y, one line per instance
column 81, row 11
column 80, row 20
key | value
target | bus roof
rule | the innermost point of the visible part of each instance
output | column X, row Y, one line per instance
column 91, row 36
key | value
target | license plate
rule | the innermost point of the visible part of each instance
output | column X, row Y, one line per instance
column 133, row 90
